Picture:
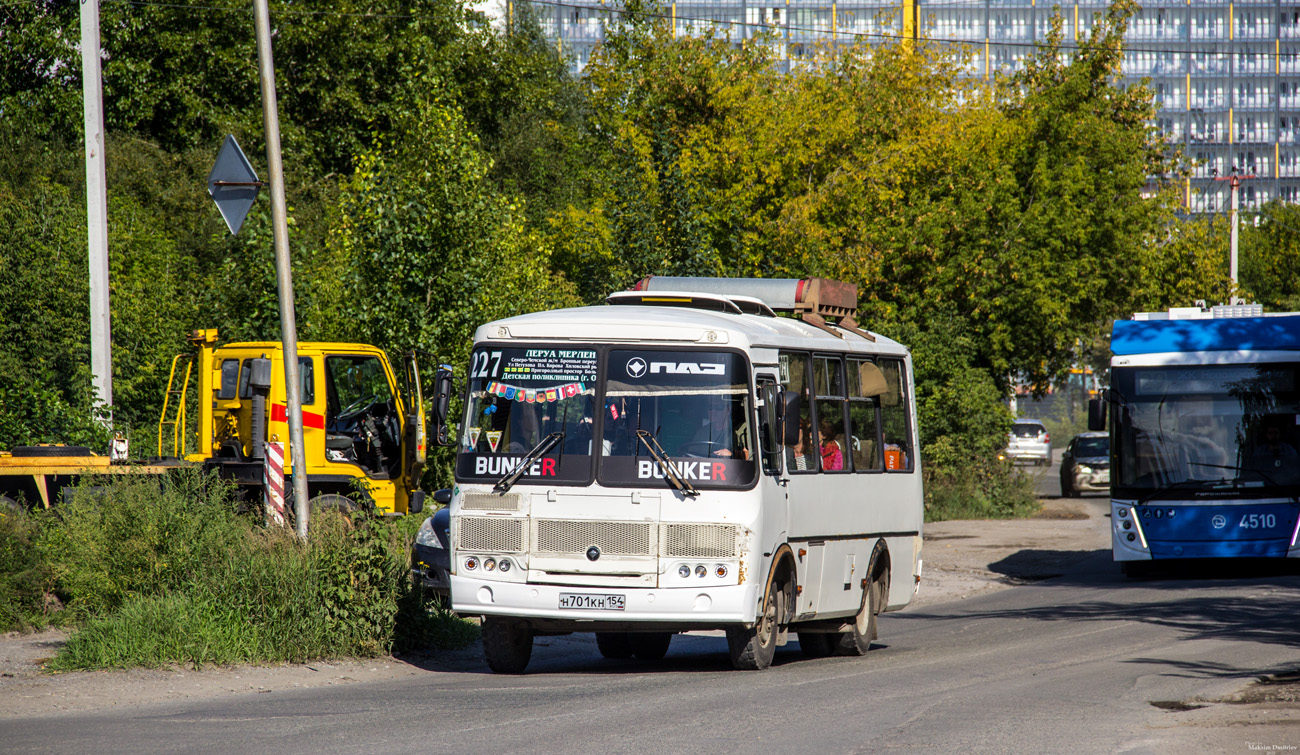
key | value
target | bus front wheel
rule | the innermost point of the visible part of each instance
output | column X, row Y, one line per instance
column 614, row 644
column 753, row 648
column 507, row 644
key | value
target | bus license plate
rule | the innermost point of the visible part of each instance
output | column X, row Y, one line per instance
column 593, row 602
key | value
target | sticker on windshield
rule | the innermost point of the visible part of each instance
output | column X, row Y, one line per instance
column 494, row 439
column 541, row 395
column 471, row 440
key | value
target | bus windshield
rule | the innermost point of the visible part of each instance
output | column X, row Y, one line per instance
column 517, row 398
column 1188, row 428
column 694, row 404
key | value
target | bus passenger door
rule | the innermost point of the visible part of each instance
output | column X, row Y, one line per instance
column 772, row 488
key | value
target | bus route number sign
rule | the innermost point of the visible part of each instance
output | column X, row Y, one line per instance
column 593, row 602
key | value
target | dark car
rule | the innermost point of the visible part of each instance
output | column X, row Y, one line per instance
column 1085, row 466
column 431, row 559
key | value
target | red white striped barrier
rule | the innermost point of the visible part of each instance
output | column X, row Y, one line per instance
column 273, row 472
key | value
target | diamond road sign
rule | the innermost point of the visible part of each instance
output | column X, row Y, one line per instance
column 233, row 184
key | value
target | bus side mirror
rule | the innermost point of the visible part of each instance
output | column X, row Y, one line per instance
column 1096, row 414
column 443, row 386
column 787, row 409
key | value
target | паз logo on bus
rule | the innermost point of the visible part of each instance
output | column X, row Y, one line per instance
column 635, row 367
column 1218, row 521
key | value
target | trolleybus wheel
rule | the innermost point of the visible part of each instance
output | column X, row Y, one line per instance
column 507, row 644
column 614, row 644
column 857, row 641
column 817, row 644
column 650, row 646
column 754, row 647
column 1135, row 569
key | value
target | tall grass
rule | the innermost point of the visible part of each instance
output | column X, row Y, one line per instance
column 160, row 571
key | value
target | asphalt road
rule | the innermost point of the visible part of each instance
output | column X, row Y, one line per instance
column 1084, row 662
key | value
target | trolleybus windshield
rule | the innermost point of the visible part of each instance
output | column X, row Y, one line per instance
column 1186, row 428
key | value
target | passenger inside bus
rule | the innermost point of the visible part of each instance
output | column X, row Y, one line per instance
column 832, row 452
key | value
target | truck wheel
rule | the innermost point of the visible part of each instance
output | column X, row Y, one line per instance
column 753, row 648
column 650, row 646
column 507, row 644
column 51, row 451
column 332, row 502
column 614, row 644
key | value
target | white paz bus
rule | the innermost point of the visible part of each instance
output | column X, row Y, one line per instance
column 686, row 459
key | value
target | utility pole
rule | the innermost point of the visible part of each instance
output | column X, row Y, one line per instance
column 101, row 343
column 284, row 276
column 1235, row 178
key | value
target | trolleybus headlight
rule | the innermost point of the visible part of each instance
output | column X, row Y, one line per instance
column 504, row 566
column 489, row 564
column 1121, row 511
column 684, row 571
column 720, row 570
column 471, row 563
column 700, row 571
column 1131, row 537
column 1128, row 525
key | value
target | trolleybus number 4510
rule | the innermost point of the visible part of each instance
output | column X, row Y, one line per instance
column 1255, row 521
column 597, row 602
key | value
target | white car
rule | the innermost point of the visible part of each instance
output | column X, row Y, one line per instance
column 1028, row 441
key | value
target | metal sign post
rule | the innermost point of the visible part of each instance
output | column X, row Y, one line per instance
column 280, row 233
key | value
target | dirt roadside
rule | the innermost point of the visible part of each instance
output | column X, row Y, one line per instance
column 961, row 559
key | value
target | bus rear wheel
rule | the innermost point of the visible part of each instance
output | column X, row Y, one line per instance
column 857, row 641
column 753, row 648
column 507, row 644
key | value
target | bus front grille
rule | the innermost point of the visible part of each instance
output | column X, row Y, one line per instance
column 490, row 502
column 560, row 536
column 698, row 541
column 491, row 534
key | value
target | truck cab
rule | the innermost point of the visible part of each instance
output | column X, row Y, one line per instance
column 363, row 427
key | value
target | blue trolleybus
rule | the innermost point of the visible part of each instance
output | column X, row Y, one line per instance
column 1204, row 406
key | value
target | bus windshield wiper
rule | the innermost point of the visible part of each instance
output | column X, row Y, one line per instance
column 539, row 450
column 661, row 458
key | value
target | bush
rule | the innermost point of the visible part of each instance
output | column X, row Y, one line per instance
column 162, row 571
column 24, row 603
column 995, row 490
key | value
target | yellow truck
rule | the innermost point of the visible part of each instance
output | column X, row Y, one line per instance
column 364, row 431
column 364, row 434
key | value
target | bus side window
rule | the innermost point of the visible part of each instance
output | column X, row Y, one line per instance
column 866, row 384
column 899, row 454
column 828, row 376
column 802, row 456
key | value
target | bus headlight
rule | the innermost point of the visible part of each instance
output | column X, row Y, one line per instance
column 489, row 564
column 720, row 571
column 471, row 563
column 504, row 566
column 683, row 571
